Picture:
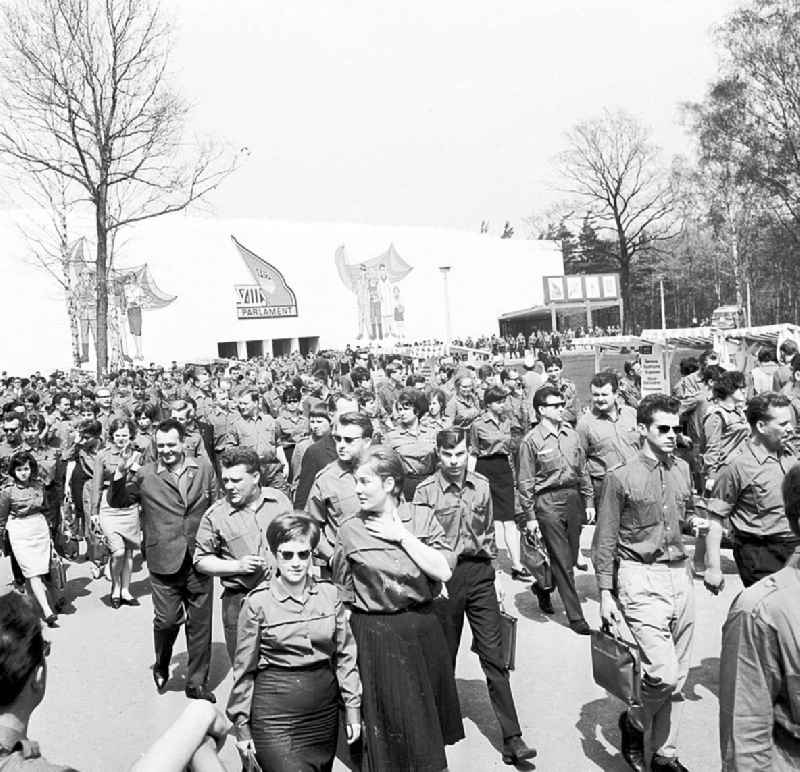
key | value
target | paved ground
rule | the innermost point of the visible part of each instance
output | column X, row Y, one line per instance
column 101, row 707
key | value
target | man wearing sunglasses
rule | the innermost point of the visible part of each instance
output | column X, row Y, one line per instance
column 554, row 490
column 332, row 498
column 231, row 540
column 643, row 575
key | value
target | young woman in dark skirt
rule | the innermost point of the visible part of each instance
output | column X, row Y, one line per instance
column 490, row 444
column 389, row 563
column 295, row 656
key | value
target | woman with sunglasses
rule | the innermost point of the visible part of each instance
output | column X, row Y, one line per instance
column 389, row 562
column 22, row 510
column 295, row 655
column 121, row 526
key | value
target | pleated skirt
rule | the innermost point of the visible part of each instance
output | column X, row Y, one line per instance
column 294, row 718
column 410, row 707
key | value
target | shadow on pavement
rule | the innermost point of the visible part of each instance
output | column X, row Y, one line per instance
column 598, row 720
column 76, row 588
column 220, row 667
column 140, row 587
column 705, row 674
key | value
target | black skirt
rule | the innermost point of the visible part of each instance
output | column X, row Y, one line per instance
column 410, row 708
column 294, row 718
column 497, row 470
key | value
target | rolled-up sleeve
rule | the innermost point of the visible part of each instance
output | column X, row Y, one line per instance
column 207, row 540
column 245, row 664
column 750, row 679
column 606, row 533
column 346, row 660
column 429, row 531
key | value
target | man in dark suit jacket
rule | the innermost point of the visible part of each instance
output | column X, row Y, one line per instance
column 174, row 492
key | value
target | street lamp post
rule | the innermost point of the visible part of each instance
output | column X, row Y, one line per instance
column 445, row 269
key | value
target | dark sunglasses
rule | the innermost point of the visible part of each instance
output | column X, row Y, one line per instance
column 289, row 554
column 347, row 440
column 667, row 428
column 554, row 404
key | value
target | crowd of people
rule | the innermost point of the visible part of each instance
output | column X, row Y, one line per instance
column 353, row 508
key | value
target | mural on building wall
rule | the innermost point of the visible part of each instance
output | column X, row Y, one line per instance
column 379, row 302
column 130, row 291
column 270, row 296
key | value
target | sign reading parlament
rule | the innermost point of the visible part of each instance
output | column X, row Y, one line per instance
column 270, row 298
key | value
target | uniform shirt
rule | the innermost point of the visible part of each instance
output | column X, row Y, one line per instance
column 291, row 428
column 105, row 464
column 641, row 510
column 331, row 501
column 689, row 390
column 46, row 460
column 20, row 501
column 386, row 394
column 462, row 411
column 725, row 429
column 221, row 422
column 748, row 491
column 607, row 441
column 275, row 629
column 257, row 433
column 232, row 533
column 378, row 576
column 417, row 448
column 550, row 459
column 519, row 412
column 760, row 673
column 17, row 752
column 434, row 424
column 463, row 510
column 489, row 435
column 60, row 434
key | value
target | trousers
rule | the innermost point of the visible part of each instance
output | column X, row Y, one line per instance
column 231, row 605
column 657, row 601
column 471, row 592
column 185, row 596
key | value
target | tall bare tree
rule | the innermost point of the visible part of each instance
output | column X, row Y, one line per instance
column 611, row 164
column 84, row 95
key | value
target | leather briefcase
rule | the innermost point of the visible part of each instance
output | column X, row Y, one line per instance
column 508, row 639
column 617, row 666
column 533, row 555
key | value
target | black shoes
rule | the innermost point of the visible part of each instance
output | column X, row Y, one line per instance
column 580, row 626
column 631, row 743
column 666, row 764
column 116, row 603
column 515, row 750
column 521, row 574
column 52, row 620
column 200, row 693
column 160, row 678
column 543, row 596
column 130, row 602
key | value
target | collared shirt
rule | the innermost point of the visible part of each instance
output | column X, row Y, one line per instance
column 519, row 413
column 378, row 576
column 464, row 512
column 462, row 411
column 276, row 629
column 387, row 393
column 331, row 501
column 256, row 433
column 291, row 427
column 489, row 435
column 60, row 434
column 689, row 390
column 748, row 491
column 759, row 675
column 221, row 422
column 434, row 424
column 180, row 475
column 417, row 448
column 18, row 752
column 608, row 441
column 20, row 501
column 641, row 510
column 725, row 429
column 550, row 459
column 232, row 533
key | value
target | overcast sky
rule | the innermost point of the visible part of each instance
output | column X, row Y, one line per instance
column 427, row 113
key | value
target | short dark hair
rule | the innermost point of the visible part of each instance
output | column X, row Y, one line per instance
column 120, row 422
column 90, row 428
column 791, row 497
column 149, row 411
column 759, row 406
column 90, row 407
column 357, row 419
column 320, row 411
column 290, row 394
column 553, row 362
column 247, row 457
column 290, row 527
column 494, row 394
column 704, row 357
column 21, row 459
column 416, row 399
column 656, row 403
column 439, row 395
column 22, row 647
column 604, row 378
column 728, row 383
column 449, row 438
column 34, row 421
column 363, row 396
column 767, row 355
column 689, row 365
column 711, row 373
column 59, row 395
column 540, row 396
column 168, row 424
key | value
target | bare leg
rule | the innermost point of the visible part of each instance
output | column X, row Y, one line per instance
column 511, row 533
column 117, row 568
column 127, row 570
column 40, row 593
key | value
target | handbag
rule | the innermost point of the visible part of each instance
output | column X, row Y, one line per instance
column 508, row 639
column 617, row 666
column 57, row 578
column 96, row 546
column 533, row 555
column 66, row 540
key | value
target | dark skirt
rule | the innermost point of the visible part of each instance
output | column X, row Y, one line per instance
column 294, row 718
column 410, row 708
column 497, row 469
